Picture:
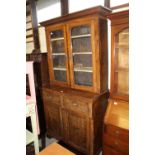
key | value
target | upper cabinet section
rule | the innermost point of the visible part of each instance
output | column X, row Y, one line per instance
column 120, row 56
column 77, row 50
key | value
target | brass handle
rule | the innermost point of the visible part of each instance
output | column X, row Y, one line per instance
column 75, row 104
column 49, row 97
column 116, row 143
column 117, row 132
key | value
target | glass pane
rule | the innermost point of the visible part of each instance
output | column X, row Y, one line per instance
column 58, row 55
column 60, row 75
column 79, row 30
column 58, row 46
column 82, row 60
column 122, row 62
column 83, row 78
column 123, row 82
column 56, row 34
column 81, row 44
column 82, row 55
column 59, row 61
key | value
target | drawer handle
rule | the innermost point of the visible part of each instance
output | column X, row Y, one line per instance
column 61, row 91
column 75, row 104
column 49, row 97
column 117, row 132
column 116, row 143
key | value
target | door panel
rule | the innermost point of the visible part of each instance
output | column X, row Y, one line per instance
column 77, row 129
column 54, row 121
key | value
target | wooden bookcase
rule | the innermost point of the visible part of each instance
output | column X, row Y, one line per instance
column 77, row 50
column 76, row 98
column 32, row 39
column 116, row 120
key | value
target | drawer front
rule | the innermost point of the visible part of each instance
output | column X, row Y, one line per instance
column 117, row 133
column 116, row 144
column 108, row 150
column 52, row 98
column 76, row 104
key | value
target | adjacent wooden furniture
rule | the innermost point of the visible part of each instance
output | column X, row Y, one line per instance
column 76, row 99
column 32, row 40
column 120, row 56
column 33, row 53
column 116, row 121
column 116, row 129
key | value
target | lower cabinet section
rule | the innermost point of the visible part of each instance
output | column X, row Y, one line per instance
column 77, row 131
column 54, row 121
column 76, row 118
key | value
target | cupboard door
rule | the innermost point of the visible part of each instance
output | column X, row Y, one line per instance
column 108, row 150
column 57, row 55
column 120, row 81
column 82, row 55
column 77, row 131
column 54, row 120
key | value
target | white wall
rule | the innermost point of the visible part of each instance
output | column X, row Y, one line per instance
column 77, row 5
column 47, row 9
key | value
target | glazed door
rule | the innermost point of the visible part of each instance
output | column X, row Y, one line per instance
column 57, row 55
column 82, row 55
column 120, row 81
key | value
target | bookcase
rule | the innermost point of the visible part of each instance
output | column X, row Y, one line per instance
column 116, row 120
column 76, row 98
column 32, row 39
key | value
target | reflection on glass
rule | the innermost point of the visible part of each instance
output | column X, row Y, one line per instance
column 58, row 55
column 59, row 61
column 82, row 55
column 83, row 78
column 60, row 75
column 122, row 63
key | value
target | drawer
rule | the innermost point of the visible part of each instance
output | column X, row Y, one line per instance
column 117, row 133
column 77, row 104
column 116, row 144
column 51, row 98
column 108, row 150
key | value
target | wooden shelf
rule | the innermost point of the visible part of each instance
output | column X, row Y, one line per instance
column 81, row 36
column 126, row 46
column 30, row 21
column 57, row 39
column 28, row 36
column 79, row 53
column 59, row 68
column 29, row 41
column 57, row 54
column 122, row 70
column 84, row 69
